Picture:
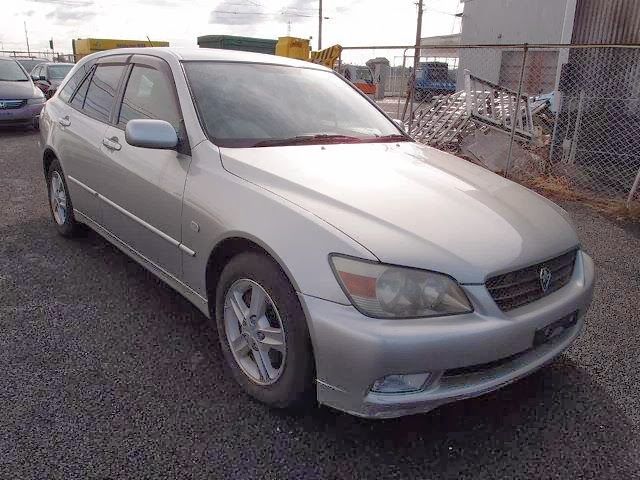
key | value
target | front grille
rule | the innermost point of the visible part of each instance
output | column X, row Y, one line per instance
column 521, row 287
column 11, row 104
column 485, row 367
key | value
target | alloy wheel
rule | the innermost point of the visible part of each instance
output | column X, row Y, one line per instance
column 58, row 198
column 254, row 331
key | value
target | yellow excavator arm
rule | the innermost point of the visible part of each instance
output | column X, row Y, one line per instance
column 327, row 57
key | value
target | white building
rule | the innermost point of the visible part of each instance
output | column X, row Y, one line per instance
column 503, row 22
column 442, row 46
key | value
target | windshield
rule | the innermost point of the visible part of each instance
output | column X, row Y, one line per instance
column 10, row 71
column 252, row 105
column 438, row 72
column 58, row 71
column 29, row 64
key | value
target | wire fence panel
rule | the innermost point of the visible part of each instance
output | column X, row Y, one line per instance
column 596, row 142
column 577, row 116
column 524, row 111
column 47, row 55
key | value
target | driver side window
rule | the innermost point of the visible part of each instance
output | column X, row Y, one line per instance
column 149, row 94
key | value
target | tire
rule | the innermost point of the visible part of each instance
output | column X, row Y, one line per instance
column 292, row 386
column 57, row 190
column 428, row 96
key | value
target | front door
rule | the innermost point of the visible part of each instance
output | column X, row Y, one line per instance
column 144, row 187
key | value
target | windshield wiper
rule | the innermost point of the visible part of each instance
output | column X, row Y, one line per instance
column 308, row 139
column 394, row 136
column 14, row 79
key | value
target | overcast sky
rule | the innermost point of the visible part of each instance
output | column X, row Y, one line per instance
column 180, row 22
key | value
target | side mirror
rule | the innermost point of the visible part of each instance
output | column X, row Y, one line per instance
column 151, row 134
column 34, row 78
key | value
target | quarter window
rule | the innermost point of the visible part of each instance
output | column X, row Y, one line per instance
column 149, row 94
column 102, row 91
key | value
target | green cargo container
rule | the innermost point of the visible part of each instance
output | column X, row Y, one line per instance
column 246, row 44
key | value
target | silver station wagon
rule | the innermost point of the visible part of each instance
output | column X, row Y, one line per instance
column 341, row 261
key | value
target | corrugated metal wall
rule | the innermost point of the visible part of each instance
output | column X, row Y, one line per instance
column 604, row 84
column 607, row 21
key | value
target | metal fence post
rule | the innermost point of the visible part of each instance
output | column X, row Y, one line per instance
column 514, row 118
column 403, row 86
column 632, row 192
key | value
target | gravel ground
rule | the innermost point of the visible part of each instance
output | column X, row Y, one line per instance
column 107, row 373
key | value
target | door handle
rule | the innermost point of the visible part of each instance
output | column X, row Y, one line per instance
column 65, row 122
column 112, row 143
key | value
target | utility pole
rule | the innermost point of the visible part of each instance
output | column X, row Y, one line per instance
column 416, row 61
column 416, row 57
column 27, row 37
column 320, row 26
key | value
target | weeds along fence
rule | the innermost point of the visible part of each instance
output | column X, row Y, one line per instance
column 525, row 111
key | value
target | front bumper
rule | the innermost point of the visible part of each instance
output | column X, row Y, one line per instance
column 353, row 351
column 26, row 115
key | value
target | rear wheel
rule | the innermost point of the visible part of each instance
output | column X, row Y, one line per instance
column 263, row 332
column 59, row 201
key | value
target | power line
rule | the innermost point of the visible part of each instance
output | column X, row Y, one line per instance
column 265, row 14
column 439, row 11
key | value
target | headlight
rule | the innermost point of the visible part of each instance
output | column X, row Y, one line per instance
column 387, row 291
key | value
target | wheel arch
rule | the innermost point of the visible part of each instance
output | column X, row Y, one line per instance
column 228, row 247
column 47, row 159
column 233, row 244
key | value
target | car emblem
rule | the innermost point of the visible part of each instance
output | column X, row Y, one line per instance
column 545, row 278
column 3, row 105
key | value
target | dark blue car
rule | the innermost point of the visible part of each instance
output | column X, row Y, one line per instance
column 433, row 79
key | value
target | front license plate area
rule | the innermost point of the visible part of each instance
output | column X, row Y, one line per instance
column 544, row 334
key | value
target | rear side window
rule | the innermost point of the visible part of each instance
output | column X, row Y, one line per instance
column 102, row 91
column 70, row 86
column 149, row 94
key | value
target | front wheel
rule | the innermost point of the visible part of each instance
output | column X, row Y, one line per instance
column 263, row 332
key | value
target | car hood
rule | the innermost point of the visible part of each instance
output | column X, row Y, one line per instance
column 16, row 90
column 413, row 205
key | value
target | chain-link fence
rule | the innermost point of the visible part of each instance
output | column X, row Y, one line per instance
column 525, row 111
column 47, row 55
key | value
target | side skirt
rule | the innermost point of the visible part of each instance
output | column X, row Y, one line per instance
column 179, row 286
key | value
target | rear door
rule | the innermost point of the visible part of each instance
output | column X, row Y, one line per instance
column 145, row 186
column 77, row 137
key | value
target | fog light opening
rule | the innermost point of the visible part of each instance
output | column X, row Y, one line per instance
column 401, row 383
